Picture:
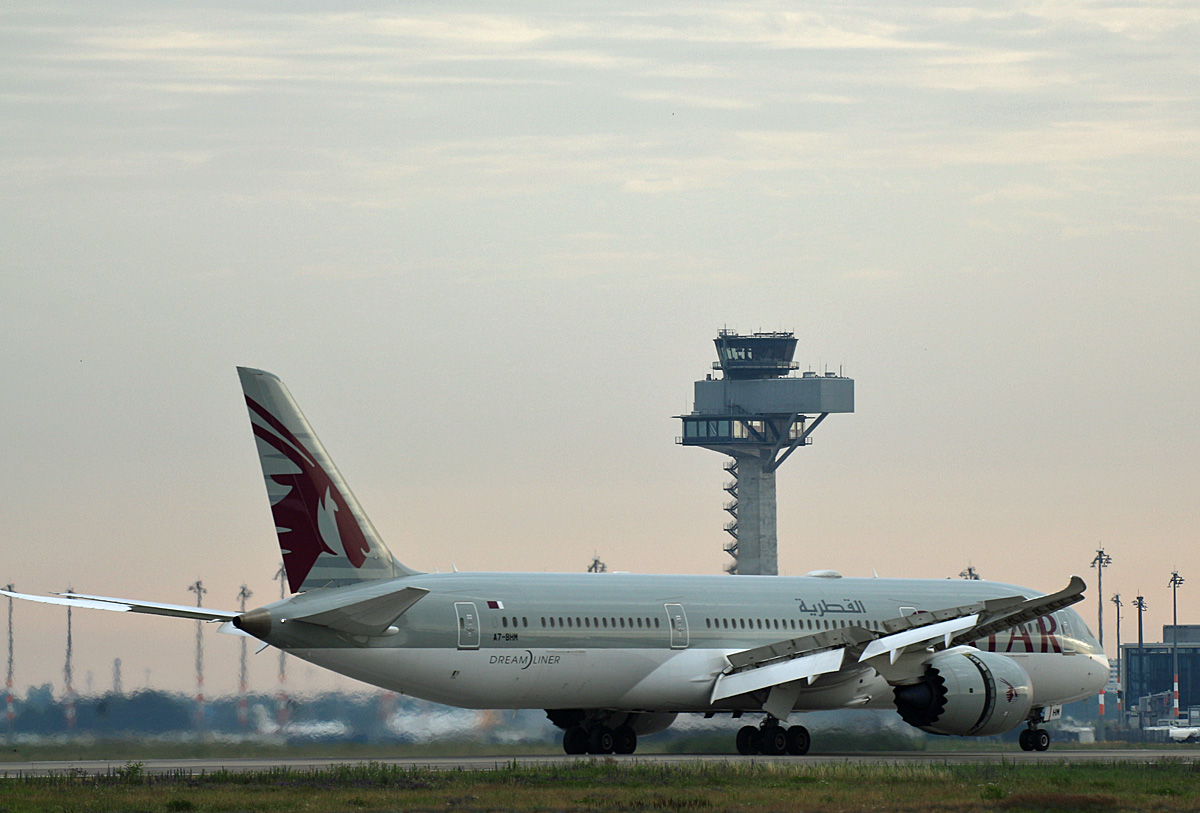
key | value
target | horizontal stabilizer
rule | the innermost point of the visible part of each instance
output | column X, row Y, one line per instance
column 124, row 605
column 371, row 616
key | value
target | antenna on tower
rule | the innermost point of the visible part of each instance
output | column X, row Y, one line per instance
column 243, row 594
column 198, row 589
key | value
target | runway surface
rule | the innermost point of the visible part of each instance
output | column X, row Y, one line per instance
column 198, row 766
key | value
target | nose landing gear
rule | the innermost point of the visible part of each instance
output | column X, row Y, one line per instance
column 1034, row 738
column 773, row 739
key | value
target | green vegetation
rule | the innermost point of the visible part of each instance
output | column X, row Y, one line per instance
column 612, row 785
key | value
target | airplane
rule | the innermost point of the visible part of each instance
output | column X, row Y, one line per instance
column 612, row 657
column 1177, row 731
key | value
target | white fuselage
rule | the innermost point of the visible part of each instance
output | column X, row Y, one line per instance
column 658, row 643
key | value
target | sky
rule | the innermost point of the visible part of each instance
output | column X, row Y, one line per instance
column 488, row 248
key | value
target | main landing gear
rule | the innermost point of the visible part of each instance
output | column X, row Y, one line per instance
column 599, row 739
column 773, row 739
column 1034, row 739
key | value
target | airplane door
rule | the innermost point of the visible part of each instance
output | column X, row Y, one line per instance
column 677, row 621
column 468, row 624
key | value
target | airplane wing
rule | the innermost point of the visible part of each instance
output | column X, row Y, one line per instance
column 810, row 656
column 371, row 616
column 124, row 605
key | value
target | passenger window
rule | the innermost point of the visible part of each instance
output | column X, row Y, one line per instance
column 524, row 621
column 504, row 621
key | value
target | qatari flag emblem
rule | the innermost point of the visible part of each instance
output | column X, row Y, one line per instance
column 495, row 605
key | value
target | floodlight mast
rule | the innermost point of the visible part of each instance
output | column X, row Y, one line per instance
column 1100, row 561
column 758, row 415
column 1175, row 583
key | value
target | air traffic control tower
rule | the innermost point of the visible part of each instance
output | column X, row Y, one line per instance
column 758, row 414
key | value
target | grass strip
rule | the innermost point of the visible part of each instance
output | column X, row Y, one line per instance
column 598, row 785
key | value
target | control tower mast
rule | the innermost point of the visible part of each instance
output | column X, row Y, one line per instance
column 758, row 414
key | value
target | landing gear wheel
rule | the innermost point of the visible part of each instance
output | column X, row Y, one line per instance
column 1040, row 738
column 798, row 740
column 773, row 740
column 624, row 740
column 575, row 740
column 600, row 740
column 747, row 740
column 1025, row 739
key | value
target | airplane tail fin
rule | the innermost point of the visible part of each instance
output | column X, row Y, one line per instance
column 325, row 537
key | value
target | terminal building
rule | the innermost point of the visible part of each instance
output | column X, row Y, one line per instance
column 1149, row 673
column 757, row 412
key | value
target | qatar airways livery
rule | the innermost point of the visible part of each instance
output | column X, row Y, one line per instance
column 611, row 657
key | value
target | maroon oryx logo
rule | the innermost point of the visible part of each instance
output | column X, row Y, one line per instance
column 311, row 492
column 1010, row 691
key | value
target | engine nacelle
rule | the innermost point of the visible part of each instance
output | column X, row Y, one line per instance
column 652, row 722
column 968, row 693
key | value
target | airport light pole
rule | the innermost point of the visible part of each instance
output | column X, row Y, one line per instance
column 242, row 710
column 281, row 697
column 1101, row 561
column 1176, row 581
column 8, row 698
column 1116, row 599
column 1140, row 604
column 199, row 590
column 68, row 674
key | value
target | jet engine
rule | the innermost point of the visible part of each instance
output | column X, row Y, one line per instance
column 968, row 693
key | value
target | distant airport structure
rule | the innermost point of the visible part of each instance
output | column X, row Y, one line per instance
column 758, row 413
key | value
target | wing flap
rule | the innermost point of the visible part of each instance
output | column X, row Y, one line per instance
column 808, row 667
column 894, row 645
